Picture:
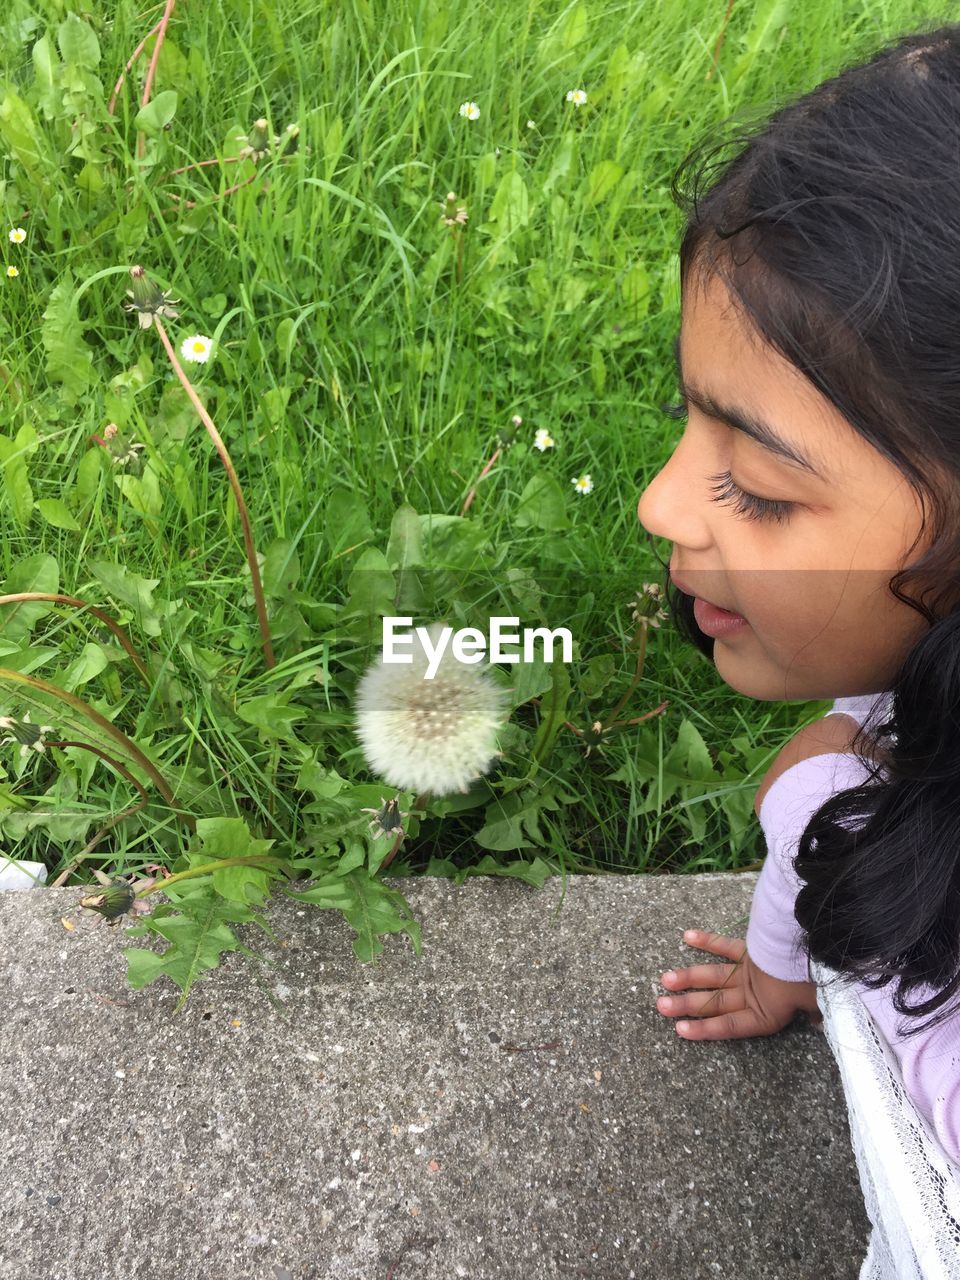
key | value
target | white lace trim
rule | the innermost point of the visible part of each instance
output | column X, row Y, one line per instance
column 911, row 1189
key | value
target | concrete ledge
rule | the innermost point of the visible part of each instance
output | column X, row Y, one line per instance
column 509, row 1105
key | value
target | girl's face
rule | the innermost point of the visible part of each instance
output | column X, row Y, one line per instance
column 812, row 585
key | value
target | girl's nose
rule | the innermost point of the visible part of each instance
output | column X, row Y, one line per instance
column 668, row 507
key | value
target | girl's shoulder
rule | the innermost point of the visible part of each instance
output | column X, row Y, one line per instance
column 831, row 736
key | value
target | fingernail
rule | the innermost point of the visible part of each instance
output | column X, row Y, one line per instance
column 690, row 933
column 665, row 1002
column 683, row 1026
column 669, row 974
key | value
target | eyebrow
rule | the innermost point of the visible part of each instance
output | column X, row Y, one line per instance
column 741, row 420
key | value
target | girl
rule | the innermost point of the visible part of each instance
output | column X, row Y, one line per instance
column 819, row 366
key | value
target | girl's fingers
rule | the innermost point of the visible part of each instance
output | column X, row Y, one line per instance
column 719, row 943
column 738, row 1025
column 703, row 1004
column 699, row 975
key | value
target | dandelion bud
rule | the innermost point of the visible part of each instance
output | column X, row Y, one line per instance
column 388, row 819
column 646, row 610
column 29, row 736
column 112, row 902
column 288, row 141
column 594, row 737
column 507, row 435
column 428, row 735
column 257, row 141
column 453, row 214
column 148, row 301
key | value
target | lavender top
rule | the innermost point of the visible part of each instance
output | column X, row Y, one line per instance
column 930, row 1060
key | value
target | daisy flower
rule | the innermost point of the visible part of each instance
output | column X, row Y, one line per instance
column 11, row 272
column 469, row 111
column 531, row 124
column 576, row 96
column 543, row 440
column 582, row 484
column 17, row 235
column 428, row 736
column 196, row 348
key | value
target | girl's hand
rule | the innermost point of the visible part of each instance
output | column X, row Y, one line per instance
column 738, row 999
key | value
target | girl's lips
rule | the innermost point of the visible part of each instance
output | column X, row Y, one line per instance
column 715, row 622
column 712, row 619
column 689, row 591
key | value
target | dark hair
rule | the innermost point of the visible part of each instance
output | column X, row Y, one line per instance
column 837, row 230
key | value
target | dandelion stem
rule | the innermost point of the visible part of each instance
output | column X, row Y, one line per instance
column 420, row 805
column 192, row 204
column 719, row 44
column 636, row 678
column 99, row 613
column 459, row 256
column 102, row 723
column 152, row 70
column 209, row 867
column 91, row 844
column 133, row 57
column 237, row 493
column 473, row 492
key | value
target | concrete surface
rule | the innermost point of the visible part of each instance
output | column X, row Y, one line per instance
column 509, row 1105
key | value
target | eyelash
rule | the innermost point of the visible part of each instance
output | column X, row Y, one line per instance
column 747, row 505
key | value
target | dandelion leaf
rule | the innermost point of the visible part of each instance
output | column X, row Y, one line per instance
column 513, row 821
column 511, row 203
column 198, row 937
column 134, row 591
column 158, row 112
column 534, row 872
column 377, row 909
column 69, row 359
column 79, row 46
column 542, row 505
column 38, row 573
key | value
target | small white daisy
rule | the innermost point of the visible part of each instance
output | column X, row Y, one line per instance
column 576, row 96
column 11, row 272
column 17, row 235
column 470, row 111
column 543, row 440
column 582, row 484
column 531, row 124
column 196, row 348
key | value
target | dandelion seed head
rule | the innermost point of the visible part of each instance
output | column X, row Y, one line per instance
column 423, row 735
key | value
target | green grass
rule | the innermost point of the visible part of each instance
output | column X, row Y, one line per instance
column 358, row 371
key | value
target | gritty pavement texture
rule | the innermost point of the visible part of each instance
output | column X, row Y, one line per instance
column 509, row 1104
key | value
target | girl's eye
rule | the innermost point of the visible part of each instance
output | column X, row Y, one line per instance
column 747, row 505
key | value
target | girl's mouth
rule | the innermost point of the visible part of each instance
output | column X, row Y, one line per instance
column 716, row 622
